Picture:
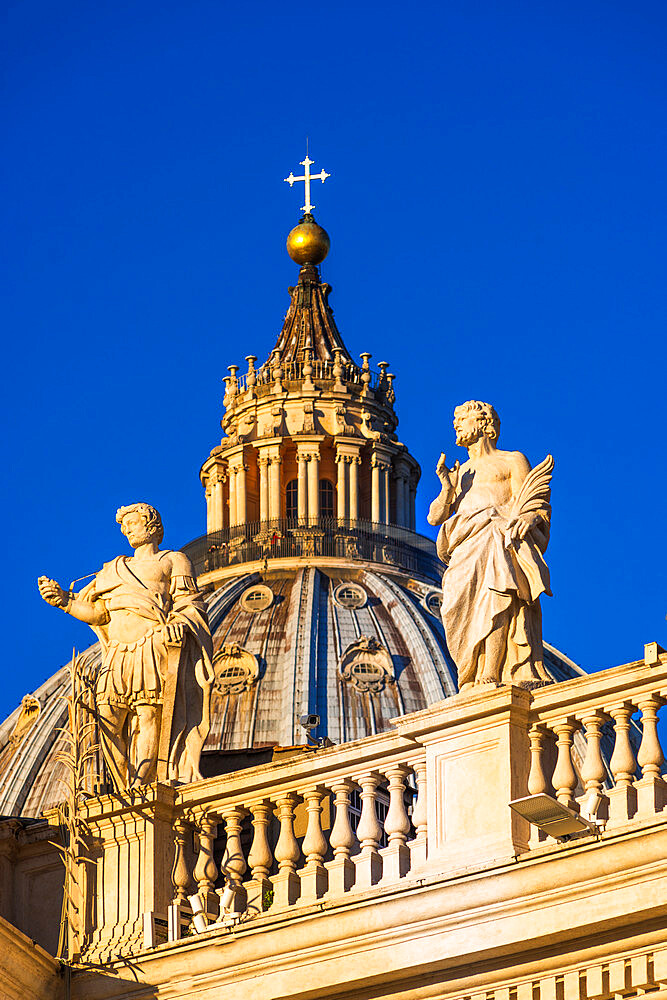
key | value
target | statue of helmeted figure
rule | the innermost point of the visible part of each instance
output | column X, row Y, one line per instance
column 494, row 514
column 156, row 673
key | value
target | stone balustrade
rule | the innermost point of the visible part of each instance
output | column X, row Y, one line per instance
column 324, row 828
column 595, row 745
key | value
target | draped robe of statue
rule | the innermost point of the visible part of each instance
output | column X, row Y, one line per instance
column 492, row 581
column 133, row 673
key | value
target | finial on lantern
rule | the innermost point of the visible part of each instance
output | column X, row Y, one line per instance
column 307, row 177
column 308, row 243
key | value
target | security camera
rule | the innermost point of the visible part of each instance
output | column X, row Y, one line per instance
column 309, row 722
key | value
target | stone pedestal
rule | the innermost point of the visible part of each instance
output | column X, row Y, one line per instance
column 132, row 845
column 477, row 761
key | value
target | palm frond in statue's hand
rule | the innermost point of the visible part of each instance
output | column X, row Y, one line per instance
column 532, row 504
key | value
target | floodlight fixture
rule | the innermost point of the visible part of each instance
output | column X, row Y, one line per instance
column 553, row 817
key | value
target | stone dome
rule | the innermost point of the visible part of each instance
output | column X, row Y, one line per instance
column 357, row 646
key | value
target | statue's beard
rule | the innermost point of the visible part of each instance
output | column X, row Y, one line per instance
column 464, row 440
column 137, row 538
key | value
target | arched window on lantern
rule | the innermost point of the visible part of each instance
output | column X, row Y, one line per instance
column 326, row 498
column 292, row 499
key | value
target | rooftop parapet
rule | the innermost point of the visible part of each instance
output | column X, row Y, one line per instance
column 406, row 810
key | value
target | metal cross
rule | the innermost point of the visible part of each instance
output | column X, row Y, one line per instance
column 307, row 177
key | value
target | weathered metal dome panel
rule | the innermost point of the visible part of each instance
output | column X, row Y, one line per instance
column 298, row 644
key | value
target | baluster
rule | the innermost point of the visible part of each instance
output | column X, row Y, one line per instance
column 369, row 862
column 623, row 797
column 260, row 857
column 396, row 856
column 593, row 771
column 233, row 897
column 180, row 878
column 564, row 776
column 286, row 882
column 538, row 783
column 313, row 875
column 342, row 840
column 651, row 788
column 206, row 870
column 419, row 819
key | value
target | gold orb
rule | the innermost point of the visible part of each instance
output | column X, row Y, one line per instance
column 308, row 243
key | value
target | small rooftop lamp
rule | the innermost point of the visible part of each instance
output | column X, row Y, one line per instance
column 554, row 818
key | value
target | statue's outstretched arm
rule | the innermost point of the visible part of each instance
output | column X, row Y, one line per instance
column 90, row 612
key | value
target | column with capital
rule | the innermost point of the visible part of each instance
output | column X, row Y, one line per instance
column 412, row 492
column 232, row 496
column 263, row 463
column 302, row 486
column 241, row 515
column 208, row 493
column 375, row 489
column 400, row 499
column 219, row 502
column 274, row 488
column 342, row 462
column 314, row 486
column 354, row 488
column 402, row 474
column 386, row 499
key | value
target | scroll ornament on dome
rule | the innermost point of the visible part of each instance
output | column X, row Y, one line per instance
column 236, row 669
column 30, row 710
column 367, row 665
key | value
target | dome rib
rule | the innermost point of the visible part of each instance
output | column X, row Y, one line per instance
column 427, row 653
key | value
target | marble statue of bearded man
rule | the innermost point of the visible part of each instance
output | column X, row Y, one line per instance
column 494, row 515
column 152, row 626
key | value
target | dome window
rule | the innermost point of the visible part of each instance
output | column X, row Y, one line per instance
column 292, row 499
column 367, row 665
column 366, row 672
column 326, row 498
column 350, row 595
column 236, row 669
column 256, row 598
column 433, row 602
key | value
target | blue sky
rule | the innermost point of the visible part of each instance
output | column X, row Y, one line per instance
column 497, row 219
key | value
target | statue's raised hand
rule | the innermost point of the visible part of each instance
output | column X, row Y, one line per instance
column 52, row 592
column 448, row 477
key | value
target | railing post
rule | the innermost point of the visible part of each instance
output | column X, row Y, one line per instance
column 651, row 788
column 342, row 840
column 313, row 875
column 564, row 776
column 180, row 878
column 623, row 797
column 419, row 819
column 286, row 882
column 396, row 856
column 233, row 862
column 260, row 857
column 538, row 783
column 369, row 861
column 206, row 870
